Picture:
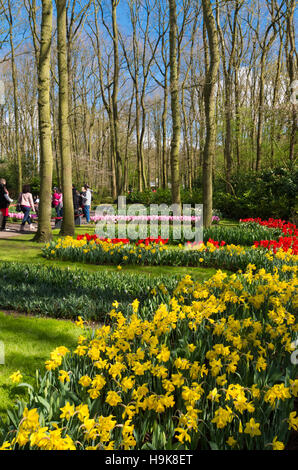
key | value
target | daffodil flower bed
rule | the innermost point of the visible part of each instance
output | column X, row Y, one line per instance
column 230, row 257
column 211, row 369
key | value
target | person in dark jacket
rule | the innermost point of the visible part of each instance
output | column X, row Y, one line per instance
column 5, row 200
column 75, row 197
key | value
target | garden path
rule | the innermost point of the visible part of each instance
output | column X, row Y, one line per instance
column 14, row 230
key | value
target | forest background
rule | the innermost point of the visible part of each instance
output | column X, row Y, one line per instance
column 135, row 125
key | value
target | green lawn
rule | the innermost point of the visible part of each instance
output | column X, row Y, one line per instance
column 228, row 222
column 28, row 342
column 21, row 248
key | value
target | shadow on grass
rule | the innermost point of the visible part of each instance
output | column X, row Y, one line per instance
column 28, row 342
column 38, row 332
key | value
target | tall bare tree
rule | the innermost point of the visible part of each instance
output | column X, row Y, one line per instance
column 64, row 141
column 212, row 56
column 9, row 15
column 44, row 230
column 175, row 105
column 292, row 68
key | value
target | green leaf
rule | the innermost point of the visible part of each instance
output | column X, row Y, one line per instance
column 13, row 418
column 213, row 446
column 24, row 384
column 44, row 402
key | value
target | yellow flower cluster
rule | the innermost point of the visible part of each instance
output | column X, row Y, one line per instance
column 106, row 245
column 31, row 433
column 202, row 358
column 56, row 357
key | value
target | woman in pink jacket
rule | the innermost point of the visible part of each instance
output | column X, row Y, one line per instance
column 26, row 202
column 57, row 201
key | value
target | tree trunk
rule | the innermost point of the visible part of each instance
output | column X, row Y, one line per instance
column 44, row 231
column 15, row 102
column 209, row 99
column 66, row 164
column 118, row 162
column 175, row 106
column 164, row 172
column 292, row 66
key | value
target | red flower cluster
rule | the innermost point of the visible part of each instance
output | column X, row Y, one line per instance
column 95, row 237
column 87, row 236
column 216, row 243
column 125, row 241
column 287, row 227
column 145, row 241
column 285, row 243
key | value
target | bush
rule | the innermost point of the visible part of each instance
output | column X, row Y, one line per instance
column 164, row 196
column 268, row 193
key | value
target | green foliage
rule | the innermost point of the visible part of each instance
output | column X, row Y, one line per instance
column 62, row 293
column 242, row 234
column 164, row 196
column 269, row 193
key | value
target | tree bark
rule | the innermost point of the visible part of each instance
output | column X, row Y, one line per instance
column 175, row 106
column 44, row 230
column 292, row 66
column 118, row 158
column 209, row 99
column 15, row 100
column 66, row 163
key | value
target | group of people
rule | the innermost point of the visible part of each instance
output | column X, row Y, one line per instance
column 25, row 203
column 82, row 201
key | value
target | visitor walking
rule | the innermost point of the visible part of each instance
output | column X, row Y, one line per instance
column 87, row 202
column 5, row 200
column 59, row 208
column 26, row 202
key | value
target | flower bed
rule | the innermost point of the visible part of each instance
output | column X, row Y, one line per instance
column 211, row 369
column 285, row 243
column 287, row 228
column 65, row 293
column 246, row 233
column 215, row 252
column 149, row 218
column 146, row 241
column 212, row 254
column 207, row 366
column 19, row 215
